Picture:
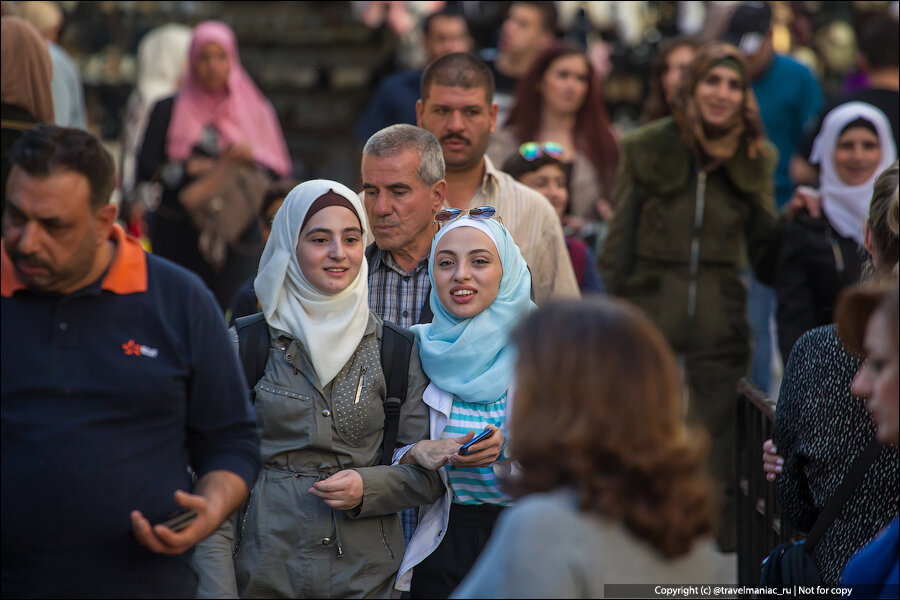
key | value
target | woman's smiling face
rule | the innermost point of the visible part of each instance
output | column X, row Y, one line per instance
column 719, row 95
column 330, row 249
column 856, row 155
column 467, row 271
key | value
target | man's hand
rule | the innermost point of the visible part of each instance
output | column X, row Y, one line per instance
column 219, row 493
column 482, row 454
column 162, row 540
column 805, row 198
column 343, row 490
column 772, row 462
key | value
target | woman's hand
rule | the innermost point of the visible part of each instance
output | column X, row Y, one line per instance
column 343, row 490
column 482, row 454
column 238, row 153
column 805, row 198
column 199, row 166
column 434, row 454
column 573, row 223
column 772, row 462
column 604, row 209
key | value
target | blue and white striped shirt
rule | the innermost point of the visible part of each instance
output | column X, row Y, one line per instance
column 475, row 485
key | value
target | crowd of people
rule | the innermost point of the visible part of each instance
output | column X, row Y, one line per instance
column 505, row 366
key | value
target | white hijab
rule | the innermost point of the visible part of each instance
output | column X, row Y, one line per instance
column 847, row 206
column 330, row 327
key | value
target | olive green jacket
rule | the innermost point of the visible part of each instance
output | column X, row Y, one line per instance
column 679, row 236
column 286, row 543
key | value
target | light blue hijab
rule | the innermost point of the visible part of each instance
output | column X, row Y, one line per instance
column 472, row 358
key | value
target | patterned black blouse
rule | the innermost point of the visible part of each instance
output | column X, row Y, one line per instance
column 820, row 428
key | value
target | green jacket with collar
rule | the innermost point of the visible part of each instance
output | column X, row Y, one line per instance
column 680, row 236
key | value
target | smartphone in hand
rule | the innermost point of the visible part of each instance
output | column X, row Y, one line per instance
column 180, row 520
column 467, row 447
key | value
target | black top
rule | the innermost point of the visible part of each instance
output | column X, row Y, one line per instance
column 814, row 265
column 503, row 84
column 820, row 428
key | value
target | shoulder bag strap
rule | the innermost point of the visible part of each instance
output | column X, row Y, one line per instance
column 836, row 503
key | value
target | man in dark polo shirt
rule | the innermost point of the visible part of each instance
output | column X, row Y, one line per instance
column 117, row 376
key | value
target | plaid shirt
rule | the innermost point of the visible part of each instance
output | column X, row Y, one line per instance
column 395, row 295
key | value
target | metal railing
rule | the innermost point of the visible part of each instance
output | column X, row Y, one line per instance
column 760, row 524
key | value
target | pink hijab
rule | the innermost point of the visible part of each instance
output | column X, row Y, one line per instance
column 241, row 113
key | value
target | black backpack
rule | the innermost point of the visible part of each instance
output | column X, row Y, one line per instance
column 396, row 349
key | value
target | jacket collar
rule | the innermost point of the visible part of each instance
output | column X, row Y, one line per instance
column 127, row 273
column 663, row 165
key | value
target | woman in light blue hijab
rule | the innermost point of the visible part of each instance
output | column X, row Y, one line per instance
column 480, row 288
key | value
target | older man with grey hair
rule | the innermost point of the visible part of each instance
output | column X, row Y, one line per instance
column 403, row 187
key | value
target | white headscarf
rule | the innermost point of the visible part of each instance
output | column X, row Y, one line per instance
column 847, row 206
column 330, row 327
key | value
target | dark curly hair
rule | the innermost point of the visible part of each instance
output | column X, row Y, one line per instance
column 598, row 406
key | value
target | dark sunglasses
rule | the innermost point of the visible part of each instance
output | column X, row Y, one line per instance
column 532, row 150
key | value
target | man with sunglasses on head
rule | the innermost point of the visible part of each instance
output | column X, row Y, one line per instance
column 456, row 107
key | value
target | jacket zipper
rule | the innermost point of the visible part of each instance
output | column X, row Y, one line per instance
column 241, row 523
column 699, row 210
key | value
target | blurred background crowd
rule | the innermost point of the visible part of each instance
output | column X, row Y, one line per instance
column 319, row 63
column 309, row 82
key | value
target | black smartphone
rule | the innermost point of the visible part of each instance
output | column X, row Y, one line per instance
column 465, row 448
column 180, row 520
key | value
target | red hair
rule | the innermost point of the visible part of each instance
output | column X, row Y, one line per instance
column 593, row 134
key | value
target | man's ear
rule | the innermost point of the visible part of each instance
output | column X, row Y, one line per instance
column 419, row 110
column 494, row 110
column 438, row 193
column 104, row 219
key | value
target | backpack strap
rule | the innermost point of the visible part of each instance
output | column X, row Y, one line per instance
column 253, row 347
column 396, row 350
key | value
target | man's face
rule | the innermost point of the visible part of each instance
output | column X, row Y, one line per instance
column 523, row 31
column 50, row 231
column 462, row 119
column 758, row 61
column 447, row 35
column 399, row 205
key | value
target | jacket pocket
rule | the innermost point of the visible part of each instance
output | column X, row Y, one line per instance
column 283, row 413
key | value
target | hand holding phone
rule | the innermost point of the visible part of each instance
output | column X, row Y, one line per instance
column 467, row 447
column 181, row 520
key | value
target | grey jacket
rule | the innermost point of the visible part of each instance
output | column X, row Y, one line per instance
column 285, row 542
column 545, row 547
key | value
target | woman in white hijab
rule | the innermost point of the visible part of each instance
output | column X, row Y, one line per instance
column 819, row 257
column 321, row 522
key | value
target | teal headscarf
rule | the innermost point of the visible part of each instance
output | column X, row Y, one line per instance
column 473, row 358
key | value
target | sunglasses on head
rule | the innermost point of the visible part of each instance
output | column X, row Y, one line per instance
column 445, row 215
column 532, row 150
